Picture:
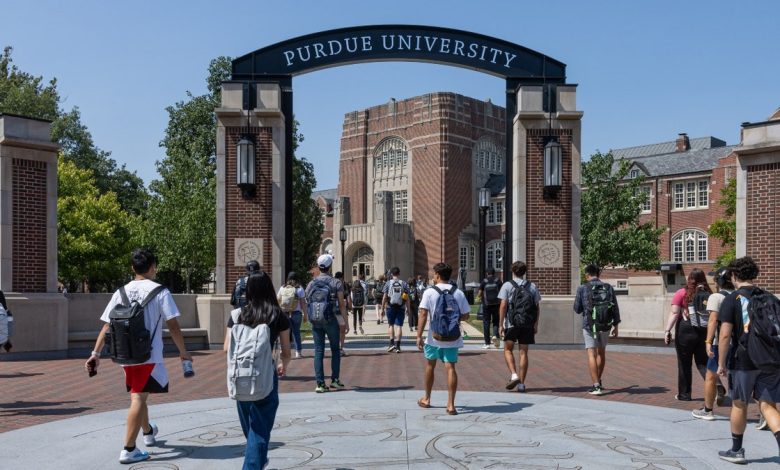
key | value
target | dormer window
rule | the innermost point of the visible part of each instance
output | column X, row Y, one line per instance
column 634, row 173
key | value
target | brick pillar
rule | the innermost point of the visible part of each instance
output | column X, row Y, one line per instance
column 28, row 205
column 250, row 228
column 546, row 231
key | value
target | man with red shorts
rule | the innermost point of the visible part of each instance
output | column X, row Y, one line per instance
column 151, row 376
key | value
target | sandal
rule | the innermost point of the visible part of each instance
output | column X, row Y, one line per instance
column 452, row 412
column 422, row 404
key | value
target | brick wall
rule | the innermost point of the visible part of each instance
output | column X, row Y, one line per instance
column 248, row 218
column 763, row 222
column 29, row 225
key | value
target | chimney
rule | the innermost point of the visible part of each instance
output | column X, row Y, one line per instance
column 683, row 143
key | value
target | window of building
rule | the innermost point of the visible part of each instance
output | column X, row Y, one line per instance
column 690, row 246
column 634, row 173
column 464, row 257
column 488, row 157
column 495, row 213
column 621, row 284
column 692, row 194
column 472, row 257
column 494, row 257
column 643, row 194
column 327, row 247
column 400, row 207
column 390, row 157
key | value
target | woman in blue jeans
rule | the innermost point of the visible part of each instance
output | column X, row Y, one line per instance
column 257, row 417
column 296, row 316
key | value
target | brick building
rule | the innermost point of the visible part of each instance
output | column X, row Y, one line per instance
column 397, row 162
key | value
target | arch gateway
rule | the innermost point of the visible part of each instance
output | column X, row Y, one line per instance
column 254, row 155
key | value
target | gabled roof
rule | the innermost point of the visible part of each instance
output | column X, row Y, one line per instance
column 703, row 156
column 665, row 147
column 329, row 195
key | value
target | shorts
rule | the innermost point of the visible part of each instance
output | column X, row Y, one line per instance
column 433, row 353
column 745, row 385
column 520, row 335
column 395, row 315
column 146, row 378
column 600, row 341
column 712, row 362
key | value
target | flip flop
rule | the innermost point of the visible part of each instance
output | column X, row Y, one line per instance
column 452, row 412
column 422, row 404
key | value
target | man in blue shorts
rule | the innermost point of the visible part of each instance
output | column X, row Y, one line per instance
column 396, row 298
column 445, row 351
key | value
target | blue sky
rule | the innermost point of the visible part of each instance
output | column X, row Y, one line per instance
column 646, row 70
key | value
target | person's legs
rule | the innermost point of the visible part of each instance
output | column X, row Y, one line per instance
column 318, row 335
column 355, row 320
column 137, row 416
column 342, row 321
column 523, row 362
column 494, row 319
column 738, row 418
column 430, row 366
column 593, row 366
column 295, row 331
column 486, row 321
column 684, row 350
column 257, row 421
column 710, row 390
column 601, row 361
column 509, row 357
column 332, row 330
column 452, row 384
column 699, row 350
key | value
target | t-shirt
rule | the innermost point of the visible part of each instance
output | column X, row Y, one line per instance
column 279, row 324
column 389, row 285
column 714, row 303
column 298, row 293
column 506, row 290
column 161, row 309
column 734, row 310
column 428, row 302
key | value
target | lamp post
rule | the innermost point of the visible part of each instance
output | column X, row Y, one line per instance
column 484, row 204
column 552, row 168
column 245, row 166
column 503, row 255
column 343, row 238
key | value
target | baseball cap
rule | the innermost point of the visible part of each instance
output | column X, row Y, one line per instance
column 325, row 261
column 253, row 266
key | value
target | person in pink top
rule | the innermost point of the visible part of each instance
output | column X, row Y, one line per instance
column 690, row 331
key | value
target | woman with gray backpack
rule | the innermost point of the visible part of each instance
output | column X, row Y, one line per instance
column 252, row 374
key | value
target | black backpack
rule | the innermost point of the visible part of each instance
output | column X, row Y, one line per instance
column 379, row 291
column 762, row 340
column 238, row 299
column 129, row 342
column 522, row 306
column 699, row 303
column 358, row 295
column 601, row 306
column 490, row 292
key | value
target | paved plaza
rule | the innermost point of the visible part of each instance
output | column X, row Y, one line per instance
column 51, row 409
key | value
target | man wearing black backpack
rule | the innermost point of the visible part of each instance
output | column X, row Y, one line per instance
column 238, row 297
column 596, row 302
column 146, row 374
column 749, row 331
column 488, row 292
column 518, row 322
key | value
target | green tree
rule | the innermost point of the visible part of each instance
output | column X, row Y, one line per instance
column 307, row 217
column 94, row 234
column 725, row 228
column 611, row 232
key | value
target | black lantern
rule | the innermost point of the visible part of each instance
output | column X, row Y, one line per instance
column 245, row 166
column 343, row 239
column 553, row 163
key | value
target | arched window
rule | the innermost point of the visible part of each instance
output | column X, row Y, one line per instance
column 327, row 246
column 495, row 255
column 391, row 158
column 689, row 246
column 488, row 157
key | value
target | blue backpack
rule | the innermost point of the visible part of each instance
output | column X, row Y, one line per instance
column 445, row 321
column 319, row 302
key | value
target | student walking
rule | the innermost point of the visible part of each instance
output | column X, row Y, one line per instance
column 238, row 297
column 488, row 292
column 396, row 298
column 325, row 297
column 414, row 303
column 689, row 319
column 518, row 322
column 442, row 308
column 596, row 302
column 358, row 298
column 292, row 301
column 379, row 293
column 255, row 387
column 714, row 392
column 343, row 318
column 748, row 324
column 143, row 367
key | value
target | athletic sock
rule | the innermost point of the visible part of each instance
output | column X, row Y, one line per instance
column 398, row 344
column 151, row 430
column 129, row 449
column 736, row 442
column 391, row 341
column 707, row 410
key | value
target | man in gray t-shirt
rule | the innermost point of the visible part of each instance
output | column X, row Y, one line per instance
column 518, row 323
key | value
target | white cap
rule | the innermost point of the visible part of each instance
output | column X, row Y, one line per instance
column 325, row 261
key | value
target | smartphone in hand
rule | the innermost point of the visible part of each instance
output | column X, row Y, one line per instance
column 91, row 367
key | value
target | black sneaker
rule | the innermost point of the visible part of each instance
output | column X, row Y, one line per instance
column 679, row 397
column 336, row 384
column 596, row 390
column 398, row 350
column 391, row 348
column 737, row 457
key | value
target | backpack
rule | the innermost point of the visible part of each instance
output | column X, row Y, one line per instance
column 762, row 339
column 699, row 304
column 445, row 321
column 319, row 302
column 238, row 299
column 289, row 299
column 601, row 306
column 379, row 291
column 129, row 342
column 5, row 330
column 250, row 365
column 522, row 306
column 490, row 292
column 396, row 293
column 358, row 295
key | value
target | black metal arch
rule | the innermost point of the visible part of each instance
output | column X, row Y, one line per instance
column 398, row 43
column 280, row 62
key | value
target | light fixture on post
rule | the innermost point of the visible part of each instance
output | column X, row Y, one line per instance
column 343, row 239
column 553, row 155
column 245, row 154
column 484, row 204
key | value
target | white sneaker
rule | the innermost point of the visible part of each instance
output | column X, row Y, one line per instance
column 136, row 455
column 297, row 355
column 485, row 346
column 496, row 342
column 149, row 439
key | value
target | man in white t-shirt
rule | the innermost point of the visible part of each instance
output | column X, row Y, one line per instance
column 150, row 376
column 445, row 351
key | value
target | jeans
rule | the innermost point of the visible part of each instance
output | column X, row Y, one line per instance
column 689, row 343
column 357, row 315
column 295, row 331
column 257, row 420
column 331, row 330
column 489, row 315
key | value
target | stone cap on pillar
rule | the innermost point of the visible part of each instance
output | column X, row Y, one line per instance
column 31, row 132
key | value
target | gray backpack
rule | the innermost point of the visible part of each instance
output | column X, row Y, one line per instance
column 250, row 364
column 396, row 293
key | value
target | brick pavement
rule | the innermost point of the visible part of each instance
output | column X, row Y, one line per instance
column 36, row 392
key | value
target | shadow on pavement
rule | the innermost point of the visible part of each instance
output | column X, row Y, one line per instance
column 500, row 407
column 19, row 375
column 33, row 404
column 358, row 388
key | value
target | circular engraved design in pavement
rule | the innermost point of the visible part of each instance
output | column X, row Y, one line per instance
column 501, row 436
column 248, row 251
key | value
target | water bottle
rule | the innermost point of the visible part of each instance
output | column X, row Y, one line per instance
column 186, row 366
